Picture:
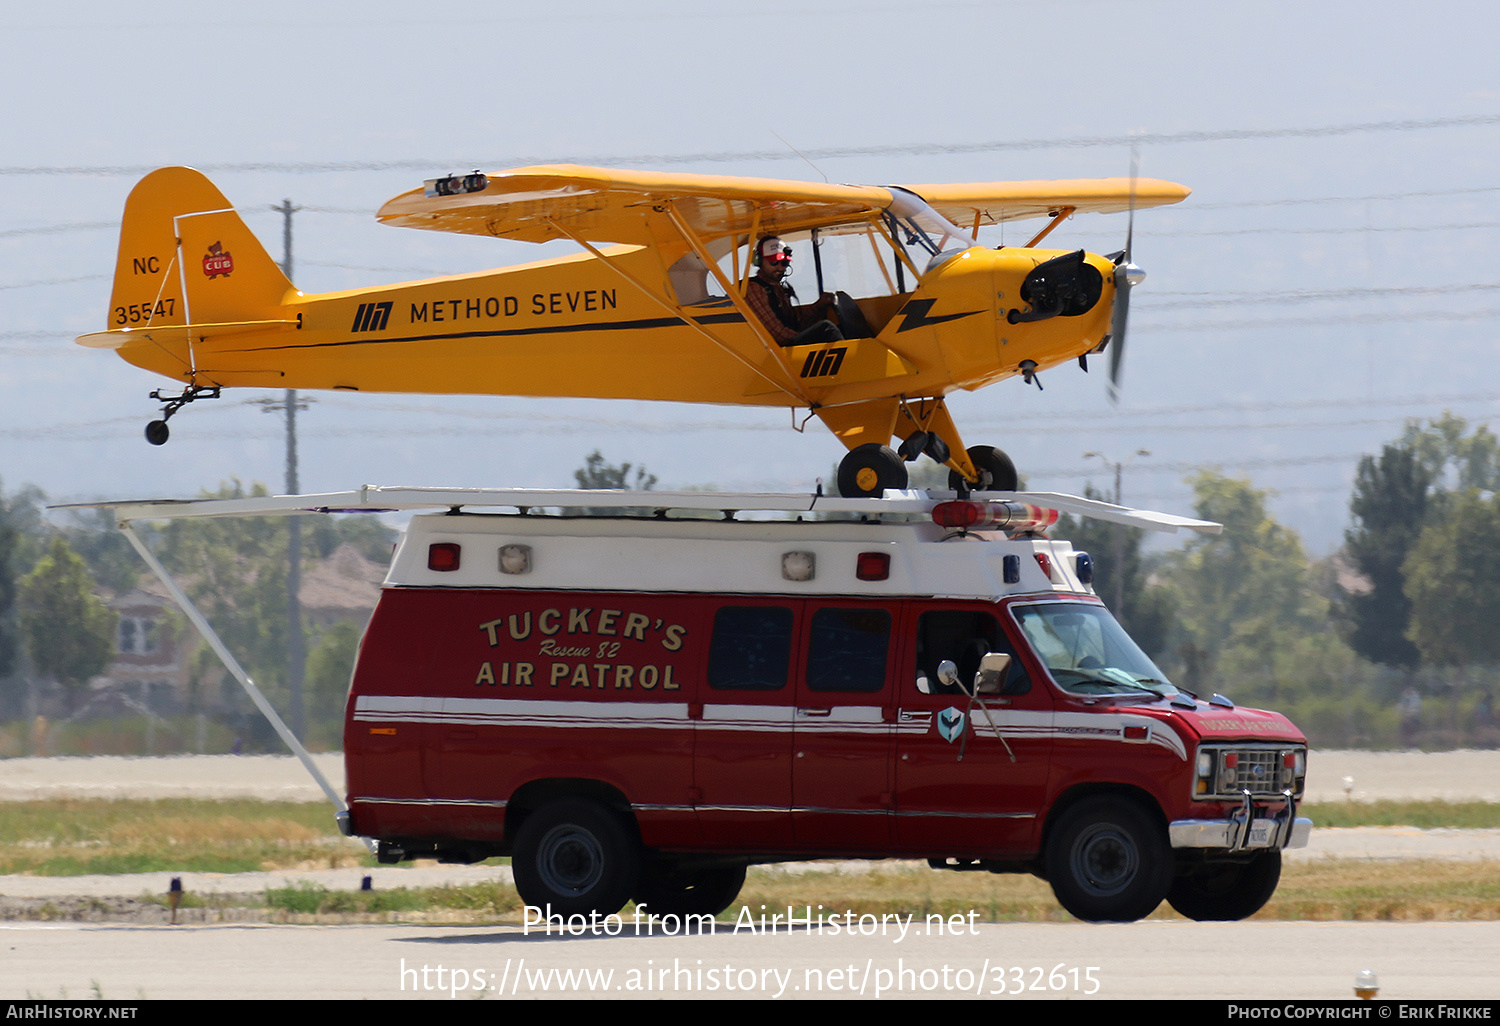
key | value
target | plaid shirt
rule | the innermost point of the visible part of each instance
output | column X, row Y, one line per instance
column 759, row 300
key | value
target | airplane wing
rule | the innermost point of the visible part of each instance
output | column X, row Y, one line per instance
column 993, row 202
column 602, row 205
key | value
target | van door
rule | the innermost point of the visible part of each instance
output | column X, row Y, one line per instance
column 971, row 774
column 841, row 788
column 742, row 743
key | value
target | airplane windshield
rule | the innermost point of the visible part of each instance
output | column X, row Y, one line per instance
column 922, row 226
column 1088, row 652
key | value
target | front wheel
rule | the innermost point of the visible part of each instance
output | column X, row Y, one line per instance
column 1108, row 861
column 1227, row 891
column 577, row 857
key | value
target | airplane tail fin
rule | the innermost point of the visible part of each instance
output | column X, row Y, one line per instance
column 187, row 258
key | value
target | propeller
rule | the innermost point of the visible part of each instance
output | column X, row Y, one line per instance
column 1127, row 276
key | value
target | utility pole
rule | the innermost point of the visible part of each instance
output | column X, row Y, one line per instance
column 1117, row 533
column 296, row 644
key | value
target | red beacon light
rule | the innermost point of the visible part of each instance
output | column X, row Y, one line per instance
column 442, row 556
column 873, row 566
column 1007, row 516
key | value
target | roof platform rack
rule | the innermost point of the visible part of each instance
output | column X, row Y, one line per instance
column 600, row 502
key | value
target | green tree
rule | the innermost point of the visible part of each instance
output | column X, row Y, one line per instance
column 94, row 535
column 365, row 531
column 1453, row 581
column 1412, row 482
column 1390, row 495
column 1123, row 578
column 1247, row 612
column 235, row 570
column 69, row 632
column 596, row 472
column 330, row 665
column 1455, row 458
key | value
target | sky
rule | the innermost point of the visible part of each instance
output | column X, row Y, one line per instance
column 1330, row 277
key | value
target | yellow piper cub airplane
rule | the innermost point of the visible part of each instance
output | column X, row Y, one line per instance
column 649, row 310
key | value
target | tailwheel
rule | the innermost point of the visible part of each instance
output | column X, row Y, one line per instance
column 869, row 470
column 996, row 471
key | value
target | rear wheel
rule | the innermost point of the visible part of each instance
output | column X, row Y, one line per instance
column 1108, row 861
column 577, row 857
column 868, row 470
column 1223, row 891
column 996, row 471
column 669, row 889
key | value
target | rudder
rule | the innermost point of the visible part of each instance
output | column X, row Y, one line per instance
column 180, row 232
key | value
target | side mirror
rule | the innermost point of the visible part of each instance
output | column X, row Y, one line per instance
column 947, row 673
column 991, row 676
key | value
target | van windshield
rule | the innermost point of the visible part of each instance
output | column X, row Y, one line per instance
column 1088, row 652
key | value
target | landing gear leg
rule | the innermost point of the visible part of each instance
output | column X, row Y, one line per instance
column 157, row 431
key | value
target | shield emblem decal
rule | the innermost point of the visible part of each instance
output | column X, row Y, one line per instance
column 950, row 723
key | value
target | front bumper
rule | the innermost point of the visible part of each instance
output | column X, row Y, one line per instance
column 1220, row 833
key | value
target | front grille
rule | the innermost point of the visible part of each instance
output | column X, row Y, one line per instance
column 1261, row 770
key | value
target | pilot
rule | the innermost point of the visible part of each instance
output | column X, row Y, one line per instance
column 773, row 300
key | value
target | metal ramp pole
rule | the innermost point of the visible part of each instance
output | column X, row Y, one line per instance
column 232, row 665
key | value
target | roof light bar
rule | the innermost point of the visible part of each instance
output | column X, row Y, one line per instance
column 1008, row 516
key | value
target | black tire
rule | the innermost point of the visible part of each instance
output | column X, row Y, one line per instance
column 1108, row 861
column 1227, row 891
column 996, row 471
column 869, row 470
column 667, row 889
column 157, row 432
column 577, row 857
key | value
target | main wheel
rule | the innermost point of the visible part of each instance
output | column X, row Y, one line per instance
column 996, row 471
column 1108, row 861
column 1227, row 890
column 576, row 856
column 668, row 889
column 157, row 432
column 869, row 470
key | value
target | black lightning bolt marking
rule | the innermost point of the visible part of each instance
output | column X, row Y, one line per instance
column 914, row 315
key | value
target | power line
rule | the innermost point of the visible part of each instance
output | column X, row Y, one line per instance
column 1198, row 300
column 57, row 229
column 827, row 153
column 1236, row 204
column 1327, row 231
column 1339, row 319
column 54, row 281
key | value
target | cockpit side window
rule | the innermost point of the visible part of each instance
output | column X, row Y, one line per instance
column 963, row 636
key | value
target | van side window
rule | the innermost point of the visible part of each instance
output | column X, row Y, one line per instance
column 847, row 650
column 751, row 648
column 963, row 636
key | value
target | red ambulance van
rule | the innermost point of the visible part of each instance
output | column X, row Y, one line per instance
column 639, row 704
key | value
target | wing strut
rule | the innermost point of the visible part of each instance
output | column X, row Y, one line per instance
column 1057, row 219
column 677, row 311
column 735, row 297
